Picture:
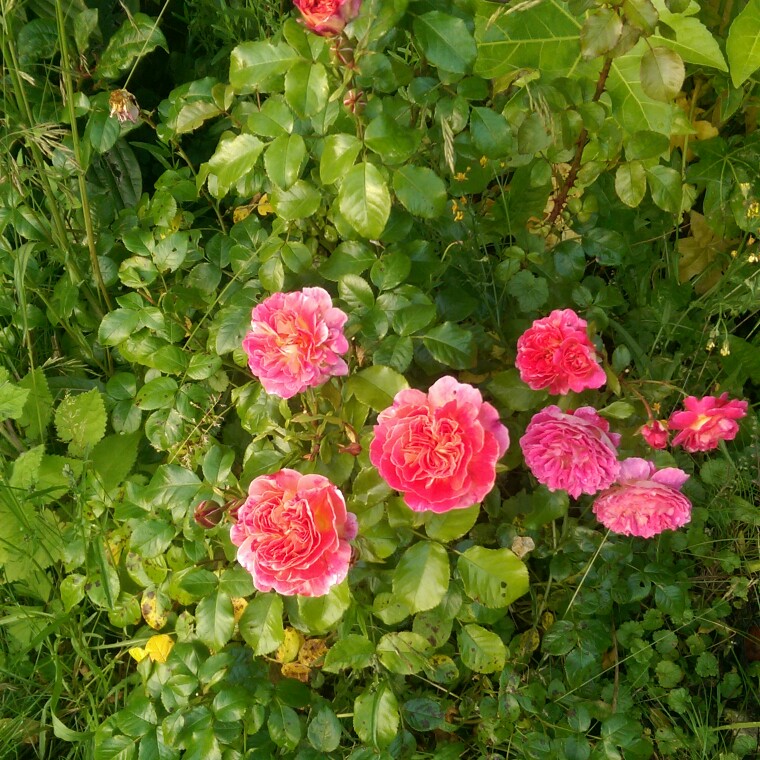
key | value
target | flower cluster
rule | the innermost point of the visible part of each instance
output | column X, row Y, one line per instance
column 327, row 17
column 555, row 354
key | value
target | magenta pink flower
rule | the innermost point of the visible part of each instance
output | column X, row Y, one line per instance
column 707, row 421
column 327, row 17
column 644, row 501
column 571, row 451
column 655, row 433
column 440, row 448
column 555, row 354
column 295, row 341
column 292, row 534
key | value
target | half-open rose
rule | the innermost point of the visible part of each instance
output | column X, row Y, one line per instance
column 327, row 17
column 292, row 534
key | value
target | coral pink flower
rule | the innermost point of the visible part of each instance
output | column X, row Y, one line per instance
column 327, row 17
column 440, row 448
column 707, row 421
column 655, row 433
column 292, row 534
column 555, row 354
column 295, row 341
column 644, row 501
column 572, row 451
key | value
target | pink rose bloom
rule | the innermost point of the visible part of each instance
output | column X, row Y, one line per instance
column 555, row 354
column 644, row 501
column 571, row 451
column 327, row 17
column 656, row 434
column 292, row 534
column 295, row 341
column 707, row 421
column 440, row 448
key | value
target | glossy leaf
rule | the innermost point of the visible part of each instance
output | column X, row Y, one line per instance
column 364, row 200
column 421, row 577
column 493, row 577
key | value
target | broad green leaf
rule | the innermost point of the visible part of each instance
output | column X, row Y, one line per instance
column 117, row 326
column 693, row 40
column 481, row 650
column 117, row 747
column 531, row 292
column 233, row 159
column 338, row 155
column 631, row 183
column 351, row 257
column 662, row 73
column 600, row 32
column 421, row 191
column 151, row 537
column 284, row 726
column 137, row 36
column 402, row 653
column 158, row 393
column 666, row 187
column 352, row 651
column 12, row 398
column 492, row 577
column 631, row 107
column 324, row 730
column 214, row 621
column 545, row 37
column 254, row 64
column 451, row 345
column 376, row 716
column 421, row 577
column 38, row 407
column 424, row 714
column 25, row 471
column 81, row 421
column 743, row 43
column 452, row 524
column 284, row 158
column 261, row 623
column 300, row 201
column 321, row 613
column 394, row 143
column 306, row 88
column 113, row 458
column 376, row 386
column 364, row 200
column 491, row 133
column 445, row 41
column 102, row 131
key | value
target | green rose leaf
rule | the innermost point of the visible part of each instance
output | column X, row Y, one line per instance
column 631, row 183
column 321, row 613
column 662, row 73
column 376, row 386
column 261, row 623
column 214, row 621
column 451, row 345
column 306, row 88
column 324, row 730
column 298, row 202
column 353, row 651
column 137, row 36
column 421, row 191
column 338, row 155
column 492, row 577
column 445, row 41
column 253, row 65
column 452, row 524
column 421, row 577
column 284, row 158
column 364, row 200
column 376, row 716
column 481, row 650
column 402, row 653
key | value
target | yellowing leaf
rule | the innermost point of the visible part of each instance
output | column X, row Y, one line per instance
column 297, row 671
column 238, row 607
column 155, row 614
column 312, row 651
column 158, row 647
column 291, row 644
column 138, row 654
column 698, row 252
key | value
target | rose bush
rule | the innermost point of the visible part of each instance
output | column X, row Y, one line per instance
column 327, row 17
column 645, row 501
column 440, row 448
column 706, row 422
column 295, row 341
column 555, row 354
column 572, row 451
column 293, row 534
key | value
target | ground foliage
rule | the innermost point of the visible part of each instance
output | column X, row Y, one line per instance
column 449, row 171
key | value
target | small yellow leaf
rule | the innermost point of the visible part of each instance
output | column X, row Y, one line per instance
column 241, row 213
column 138, row 654
column 158, row 647
column 288, row 650
column 238, row 607
column 154, row 614
column 264, row 206
column 312, row 652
